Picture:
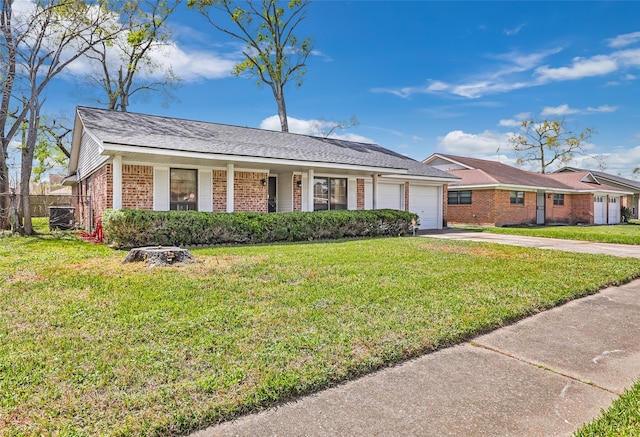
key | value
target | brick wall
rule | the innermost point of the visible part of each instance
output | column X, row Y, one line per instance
column 137, row 187
column 581, row 208
column 507, row 214
column 219, row 191
column 360, row 194
column 101, row 191
column 445, row 204
column 480, row 212
column 406, row 196
column 249, row 194
column 297, row 193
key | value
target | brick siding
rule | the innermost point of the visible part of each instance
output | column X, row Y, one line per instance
column 101, row 191
column 360, row 194
column 219, row 191
column 249, row 193
column 137, row 187
column 493, row 208
column 297, row 193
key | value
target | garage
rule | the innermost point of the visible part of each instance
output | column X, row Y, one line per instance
column 599, row 210
column 391, row 195
column 614, row 210
column 425, row 202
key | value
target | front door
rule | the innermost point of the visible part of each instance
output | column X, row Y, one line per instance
column 540, row 209
column 273, row 190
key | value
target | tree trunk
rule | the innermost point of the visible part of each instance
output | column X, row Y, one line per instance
column 27, row 164
column 5, row 188
column 158, row 255
column 282, row 108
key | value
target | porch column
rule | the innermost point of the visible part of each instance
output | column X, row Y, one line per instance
column 310, row 191
column 374, row 191
column 230, row 187
column 117, row 182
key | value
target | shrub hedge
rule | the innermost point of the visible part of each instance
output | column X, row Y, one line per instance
column 134, row 228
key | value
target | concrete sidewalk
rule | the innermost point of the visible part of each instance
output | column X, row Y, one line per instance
column 625, row 250
column 543, row 376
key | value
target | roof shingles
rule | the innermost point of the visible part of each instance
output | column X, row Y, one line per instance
column 156, row 132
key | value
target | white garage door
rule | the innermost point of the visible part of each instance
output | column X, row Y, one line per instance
column 424, row 201
column 614, row 210
column 599, row 210
column 390, row 196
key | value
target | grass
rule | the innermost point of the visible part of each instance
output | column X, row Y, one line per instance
column 621, row 234
column 89, row 346
column 622, row 419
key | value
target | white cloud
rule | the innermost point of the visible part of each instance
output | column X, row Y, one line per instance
column 466, row 144
column 603, row 108
column 514, row 31
column 580, row 68
column 558, row 110
column 516, row 121
column 566, row 110
column 624, row 40
column 620, row 162
column 317, row 128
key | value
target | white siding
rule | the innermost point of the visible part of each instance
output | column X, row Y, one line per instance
column 368, row 195
column 205, row 190
column 285, row 192
column 89, row 159
column 352, row 193
column 160, row 189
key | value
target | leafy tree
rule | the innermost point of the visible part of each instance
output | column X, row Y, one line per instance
column 548, row 142
column 273, row 53
column 38, row 47
column 124, row 64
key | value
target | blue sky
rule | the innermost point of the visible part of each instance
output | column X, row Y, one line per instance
column 424, row 77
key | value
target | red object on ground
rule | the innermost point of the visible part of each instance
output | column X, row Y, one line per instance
column 96, row 236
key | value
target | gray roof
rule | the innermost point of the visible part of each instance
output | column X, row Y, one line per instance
column 607, row 176
column 156, row 132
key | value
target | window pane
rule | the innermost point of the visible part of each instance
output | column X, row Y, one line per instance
column 184, row 189
column 465, row 197
column 338, row 194
column 517, row 198
column 452, row 197
column 320, row 194
column 558, row 199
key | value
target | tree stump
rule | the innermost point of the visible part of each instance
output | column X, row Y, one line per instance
column 158, row 255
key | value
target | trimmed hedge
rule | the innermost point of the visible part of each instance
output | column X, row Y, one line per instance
column 135, row 228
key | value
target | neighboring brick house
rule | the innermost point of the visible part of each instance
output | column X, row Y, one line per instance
column 631, row 201
column 135, row 161
column 490, row 193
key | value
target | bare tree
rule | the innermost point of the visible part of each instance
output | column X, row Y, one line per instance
column 125, row 65
column 52, row 36
column 272, row 52
column 327, row 128
column 548, row 142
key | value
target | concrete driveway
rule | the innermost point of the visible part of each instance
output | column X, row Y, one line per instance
column 624, row 250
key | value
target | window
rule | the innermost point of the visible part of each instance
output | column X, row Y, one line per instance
column 184, row 189
column 459, row 197
column 517, row 198
column 599, row 199
column 558, row 199
column 329, row 194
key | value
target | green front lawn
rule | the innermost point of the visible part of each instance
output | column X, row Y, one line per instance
column 91, row 346
column 621, row 234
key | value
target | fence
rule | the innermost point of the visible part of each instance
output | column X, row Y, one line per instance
column 41, row 206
